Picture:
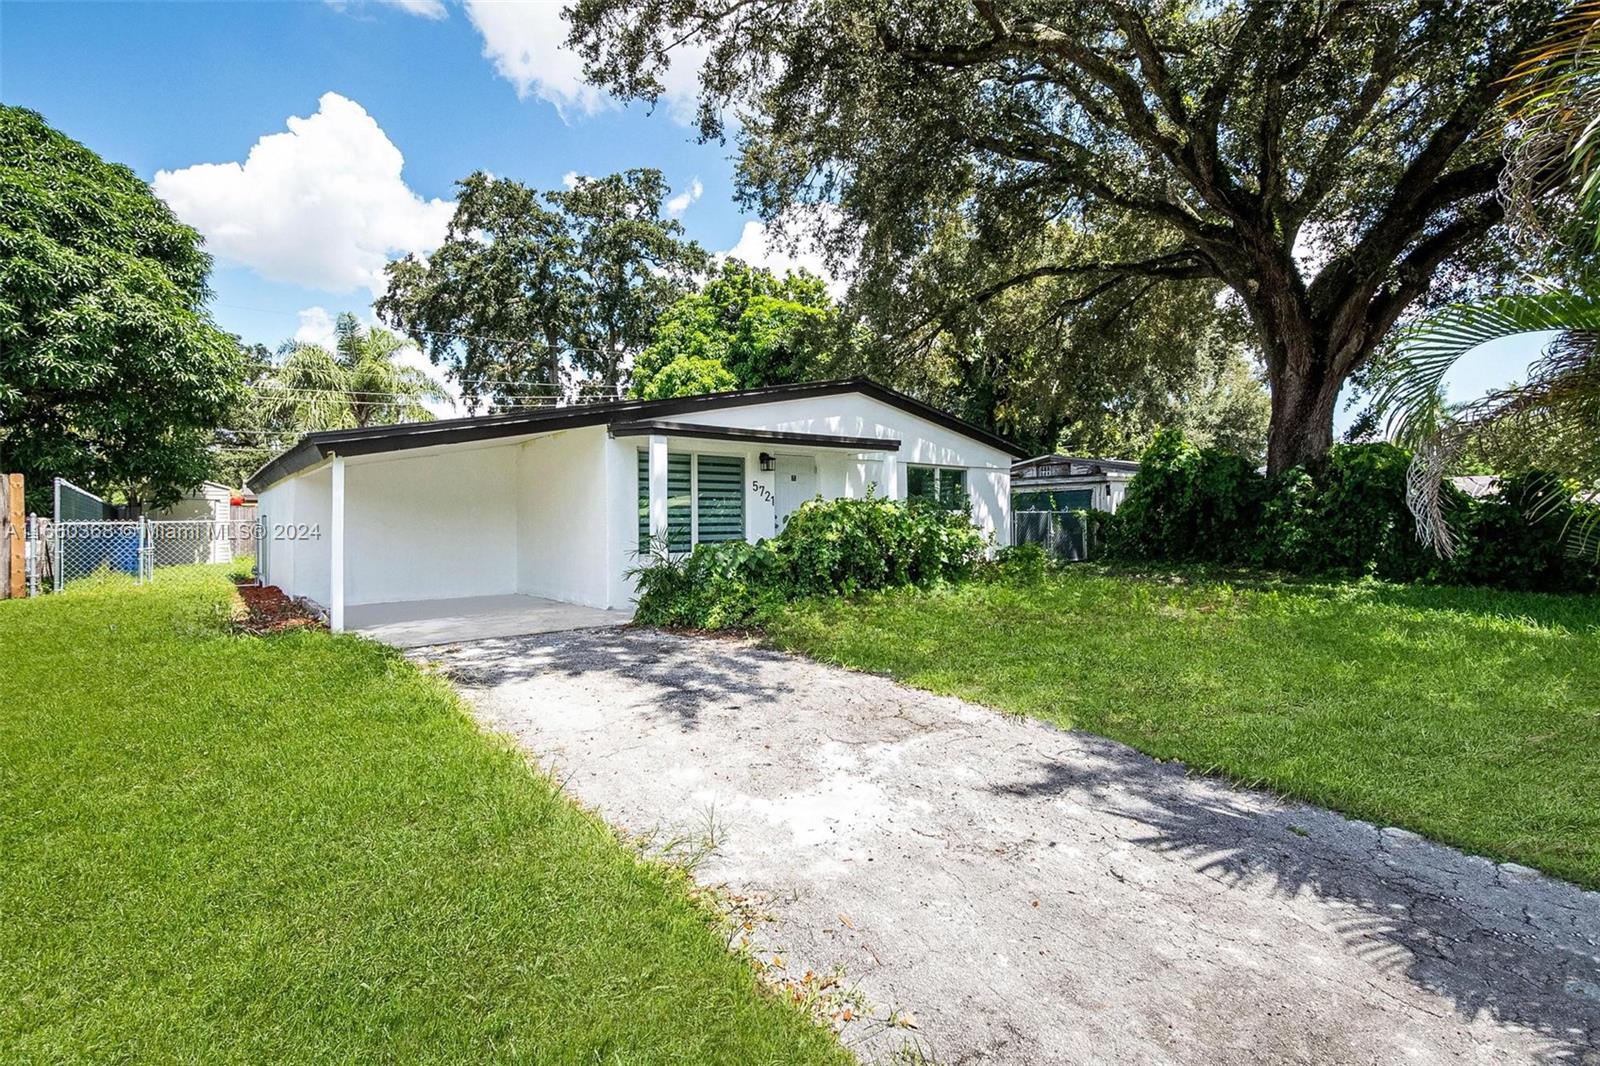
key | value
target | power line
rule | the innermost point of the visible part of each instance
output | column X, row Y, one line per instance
column 446, row 333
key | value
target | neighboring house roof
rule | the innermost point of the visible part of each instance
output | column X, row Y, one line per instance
column 314, row 447
column 1477, row 486
column 1054, row 467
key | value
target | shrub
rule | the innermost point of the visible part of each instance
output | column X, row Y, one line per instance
column 1188, row 503
column 1521, row 538
column 1348, row 518
column 827, row 548
column 1021, row 564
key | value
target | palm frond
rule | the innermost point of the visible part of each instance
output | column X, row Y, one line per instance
column 1558, row 407
column 1552, row 176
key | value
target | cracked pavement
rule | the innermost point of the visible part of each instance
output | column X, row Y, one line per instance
column 1029, row 895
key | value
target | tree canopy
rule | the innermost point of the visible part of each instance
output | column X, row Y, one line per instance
column 534, row 295
column 114, row 374
column 746, row 328
column 1327, row 160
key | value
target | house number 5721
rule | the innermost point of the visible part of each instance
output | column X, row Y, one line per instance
column 762, row 491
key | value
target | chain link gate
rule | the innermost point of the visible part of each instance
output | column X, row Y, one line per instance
column 1064, row 534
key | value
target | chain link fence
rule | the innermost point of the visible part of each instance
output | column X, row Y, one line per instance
column 1064, row 534
column 60, row 552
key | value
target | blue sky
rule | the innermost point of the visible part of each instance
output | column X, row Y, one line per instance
column 311, row 141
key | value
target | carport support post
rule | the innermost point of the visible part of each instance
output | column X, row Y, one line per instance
column 891, row 476
column 658, row 490
column 336, row 549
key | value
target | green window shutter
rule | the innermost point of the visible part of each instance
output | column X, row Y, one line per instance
column 678, row 512
column 721, row 492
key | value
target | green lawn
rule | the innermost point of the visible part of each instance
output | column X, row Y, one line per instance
column 1468, row 715
column 226, row 848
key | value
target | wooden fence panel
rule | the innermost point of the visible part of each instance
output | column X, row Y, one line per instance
column 13, row 531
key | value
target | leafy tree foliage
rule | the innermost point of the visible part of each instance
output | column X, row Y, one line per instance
column 530, row 290
column 1058, row 364
column 495, row 301
column 631, row 264
column 1324, row 160
column 746, row 328
column 358, row 384
column 1550, row 420
column 113, row 373
column 309, row 388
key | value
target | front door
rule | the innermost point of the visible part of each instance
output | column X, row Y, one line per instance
column 797, row 483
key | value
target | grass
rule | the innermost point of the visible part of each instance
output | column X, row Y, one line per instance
column 298, row 848
column 1471, row 716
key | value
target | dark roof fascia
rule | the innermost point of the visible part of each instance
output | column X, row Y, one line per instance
column 316, row 446
column 648, row 426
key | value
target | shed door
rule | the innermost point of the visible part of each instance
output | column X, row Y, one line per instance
column 797, row 483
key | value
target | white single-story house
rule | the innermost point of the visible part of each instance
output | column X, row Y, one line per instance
column 557, row 502
column 1070, row 483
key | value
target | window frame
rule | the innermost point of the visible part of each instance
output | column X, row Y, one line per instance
column 740, row 528
column 939, row 500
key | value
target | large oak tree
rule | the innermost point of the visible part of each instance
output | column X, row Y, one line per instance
column 1329, row 160
column 533, row 295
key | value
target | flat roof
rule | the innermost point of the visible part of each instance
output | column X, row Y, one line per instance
column 314, row 447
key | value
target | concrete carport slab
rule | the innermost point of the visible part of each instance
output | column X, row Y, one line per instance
column 418, row 623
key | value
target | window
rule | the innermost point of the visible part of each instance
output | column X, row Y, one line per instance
column 944, row 487
column 719, row 492
column 679, row 510
column 705, row 500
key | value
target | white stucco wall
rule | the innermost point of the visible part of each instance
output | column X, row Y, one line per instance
column 922, row 443
column 437, row 523
column 556, row 514
column 562, row 516
column 309, row 539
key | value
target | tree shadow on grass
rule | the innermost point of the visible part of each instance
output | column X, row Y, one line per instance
column 687, row 675
column 1495, row 940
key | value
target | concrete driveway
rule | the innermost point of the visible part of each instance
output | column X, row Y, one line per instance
column 1027, row 895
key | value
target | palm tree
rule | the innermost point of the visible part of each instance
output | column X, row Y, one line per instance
column 357, row 384
column 1552, row 193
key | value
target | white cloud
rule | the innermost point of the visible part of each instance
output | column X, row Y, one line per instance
column 571, row 178
column 680, row 203
column 527, row 44
column 788, row 246
column 428, row 9
column 316, row 327
column 323, row 205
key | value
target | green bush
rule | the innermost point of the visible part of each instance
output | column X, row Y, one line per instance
column 1020, row 564
column 1347, row 518
column 1521, row 538
column 1188, row 503
column 834, row 547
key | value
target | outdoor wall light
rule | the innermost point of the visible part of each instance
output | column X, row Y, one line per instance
column 768, row 462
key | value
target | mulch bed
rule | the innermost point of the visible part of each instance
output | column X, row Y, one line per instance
column 268, row 610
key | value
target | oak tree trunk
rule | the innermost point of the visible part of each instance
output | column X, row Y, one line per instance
column 1303, row 402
